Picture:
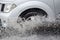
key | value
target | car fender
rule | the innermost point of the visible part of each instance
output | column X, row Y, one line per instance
column 32, row 4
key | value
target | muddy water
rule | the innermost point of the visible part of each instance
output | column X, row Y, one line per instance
column 42, row 33
column 32, row 30
column 32, row 22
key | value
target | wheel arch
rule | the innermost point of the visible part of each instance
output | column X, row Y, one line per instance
column 33, row 4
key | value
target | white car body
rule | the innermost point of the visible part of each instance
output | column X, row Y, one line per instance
column 51, row 7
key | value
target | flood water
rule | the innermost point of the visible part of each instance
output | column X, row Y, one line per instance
column 33, row 29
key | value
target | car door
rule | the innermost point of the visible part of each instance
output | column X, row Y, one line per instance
column 57, row 8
